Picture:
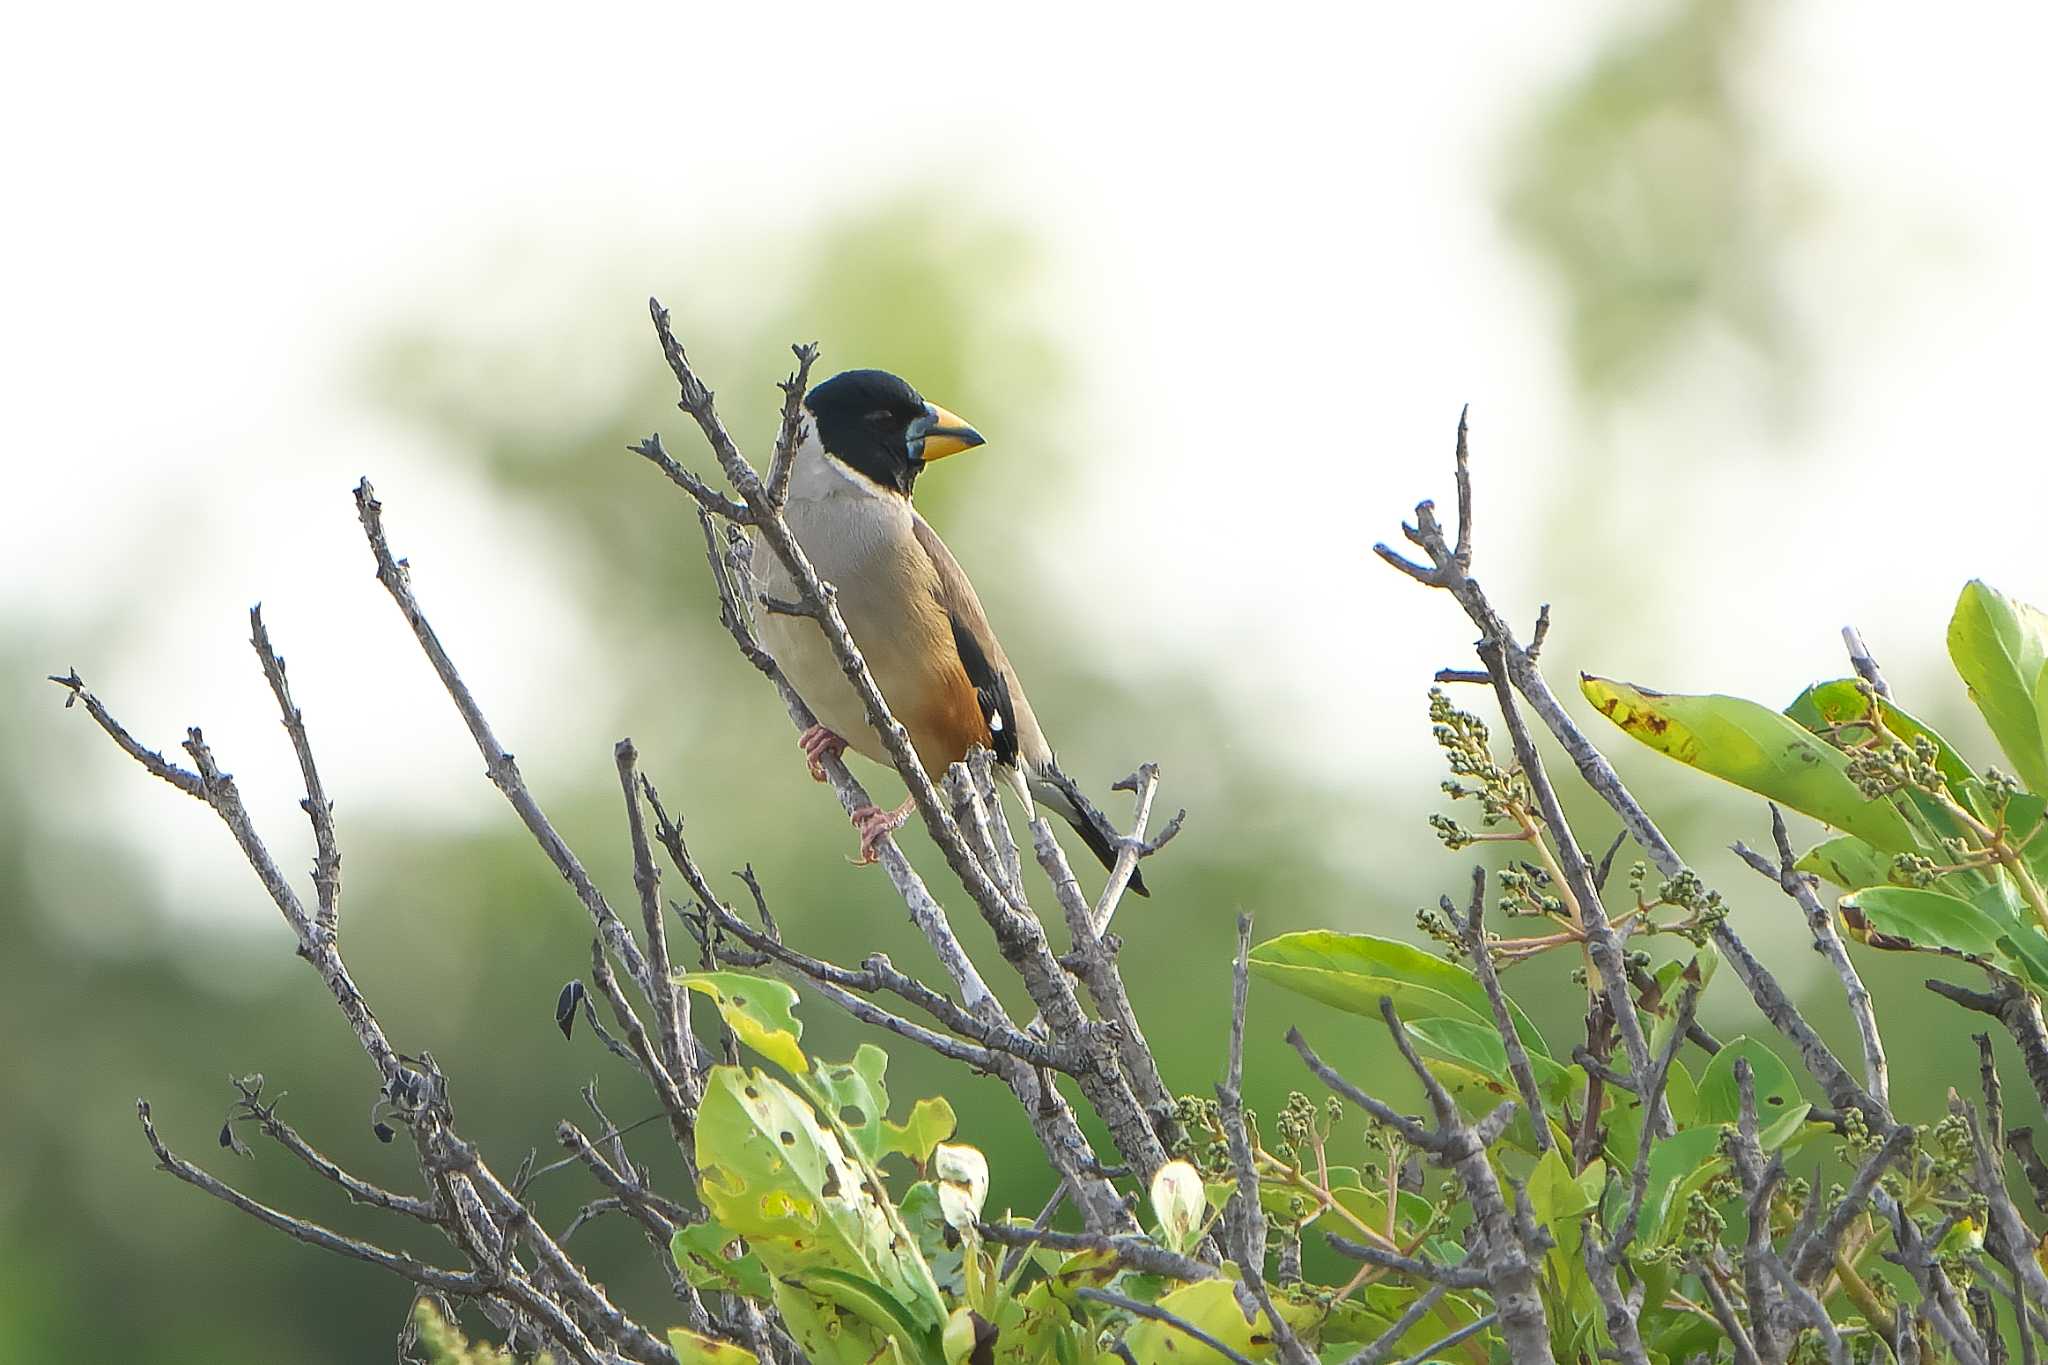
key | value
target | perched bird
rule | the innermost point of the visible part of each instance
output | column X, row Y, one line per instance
column 905, row 600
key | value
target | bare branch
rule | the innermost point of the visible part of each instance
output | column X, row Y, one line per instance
column 1460, row 1276
column 1412, row 1132
column 394, row 574
column 1828, row 942
column 319, row 810
column 1660, row 1073
column 1603, row 945
column 2016, row 1008
column 1473, row 926
column 2020, row 1141
column 433, row 1277
column 671, row 1014
column 682, row 1118
column 152, row 761
column 1812, row 1257
column 359, row 1191
column 1244, row 1218
column 315, row 943
column 790, row 434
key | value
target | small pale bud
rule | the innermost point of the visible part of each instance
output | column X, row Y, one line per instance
column 962, row 1175
column 1177, row 1202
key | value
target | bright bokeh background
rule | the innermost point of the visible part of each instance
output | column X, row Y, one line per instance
column 1747, row 300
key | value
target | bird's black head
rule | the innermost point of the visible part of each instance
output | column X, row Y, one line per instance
column 875, row 423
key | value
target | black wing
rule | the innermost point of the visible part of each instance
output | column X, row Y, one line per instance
column 991, row 691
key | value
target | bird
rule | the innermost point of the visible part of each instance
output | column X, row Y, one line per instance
column 906, row 602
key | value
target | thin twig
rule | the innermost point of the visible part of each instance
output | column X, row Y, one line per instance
column 1138, row 1253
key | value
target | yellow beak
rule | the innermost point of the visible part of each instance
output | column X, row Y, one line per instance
column 944, row 434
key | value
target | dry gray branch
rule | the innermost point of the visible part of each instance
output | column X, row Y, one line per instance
column 1828, row 942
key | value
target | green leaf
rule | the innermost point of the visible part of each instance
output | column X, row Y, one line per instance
column 1480, row 1048
column 1681, row 1094
column 1353, row 972
column 927, row 1223
column 1679, row 1165
column 1757, row 749
column 1848, row 862
column 1478, row 1093
column 703, row 1254
column 692, row 1349
column 930, row 1123
column 1999, row 647
column 771, row 1173
column 1791, row 1129
column 1212, row 1306
column 830, row 1335
column 1555, row 1194
column 1720, row 1098
column 757, row 1008
column 878, row 1308
column 1843, row 703
column 1368, row 1203
column 1911, row 917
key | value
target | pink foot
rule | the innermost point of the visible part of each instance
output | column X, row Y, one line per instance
column 817, row 743
column 875, row 825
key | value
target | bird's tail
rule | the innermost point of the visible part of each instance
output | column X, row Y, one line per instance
column 1088, row 822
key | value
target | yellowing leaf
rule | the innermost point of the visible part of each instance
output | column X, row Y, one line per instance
column 768, row 1171
column 930, row 1123
column 759, row 1009
column 692, row 1349
column 1755, row 748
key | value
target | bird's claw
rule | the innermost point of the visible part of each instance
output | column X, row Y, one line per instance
column 875, row 825
column 818, row 743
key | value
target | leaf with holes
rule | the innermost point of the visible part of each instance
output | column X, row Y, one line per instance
column 854, row 1093
column 757, row 1009
column 704, row 1252
column 771, row 1173
column 930, row 1123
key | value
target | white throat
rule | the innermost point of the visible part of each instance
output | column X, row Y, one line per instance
column 817, row 477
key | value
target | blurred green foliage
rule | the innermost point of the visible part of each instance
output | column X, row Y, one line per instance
column 1656, row 202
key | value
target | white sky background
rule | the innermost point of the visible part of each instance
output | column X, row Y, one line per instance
column 1276, row 254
